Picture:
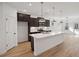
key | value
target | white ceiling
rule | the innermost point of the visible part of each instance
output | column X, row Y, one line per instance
column 68, row 8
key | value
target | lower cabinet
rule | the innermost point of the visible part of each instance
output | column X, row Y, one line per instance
column 32, row 43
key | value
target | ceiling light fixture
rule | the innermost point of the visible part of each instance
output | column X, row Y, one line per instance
column 30, row 4
column 53, row 13
column 53, row 10
column 42, row 19
column 61, row 12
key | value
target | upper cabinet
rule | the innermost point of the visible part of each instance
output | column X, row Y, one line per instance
column 23, row 17
column 34, row 22
column 47, row 23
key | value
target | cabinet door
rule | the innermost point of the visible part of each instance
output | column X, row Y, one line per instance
column 47, row 23
column 42, row 24
column 31, row 22
column 11, row 32
column 26, row 17
column 34, row 22
column 23, row 17
column 20, row 16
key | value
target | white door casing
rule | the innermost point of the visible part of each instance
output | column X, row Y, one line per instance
column 11, row 32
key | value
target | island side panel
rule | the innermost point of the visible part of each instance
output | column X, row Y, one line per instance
column 43, row 44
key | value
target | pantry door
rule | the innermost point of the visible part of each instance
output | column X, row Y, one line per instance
column 11, row 32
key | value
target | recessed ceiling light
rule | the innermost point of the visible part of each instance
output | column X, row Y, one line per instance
column 30, row 4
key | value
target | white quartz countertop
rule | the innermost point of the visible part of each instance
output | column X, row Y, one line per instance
column 42, row 35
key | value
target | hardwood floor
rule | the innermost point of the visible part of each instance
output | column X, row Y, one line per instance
column 69, row 48
column 23, row 49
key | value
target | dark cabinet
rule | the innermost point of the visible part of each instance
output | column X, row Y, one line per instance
column 47, row 23
column 34, row 22
column 19, row 17
column 41, row 23
column 32, row 43
column 23, row 17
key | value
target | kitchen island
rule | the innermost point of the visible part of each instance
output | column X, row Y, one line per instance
column 44, row 41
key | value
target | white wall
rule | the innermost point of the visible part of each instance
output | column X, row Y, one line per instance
column 57, row 27
column 22, row 29
column 2, row 31
column 7, row 12
column 61, row 27
column 10, row 14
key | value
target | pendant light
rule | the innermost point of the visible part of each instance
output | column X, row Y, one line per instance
column 41, row 19
column 61, row 12
column 30, row 4
column 53, row 13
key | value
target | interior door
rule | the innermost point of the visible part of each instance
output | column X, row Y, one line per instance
column 11, row 32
